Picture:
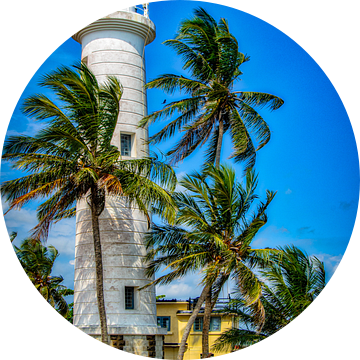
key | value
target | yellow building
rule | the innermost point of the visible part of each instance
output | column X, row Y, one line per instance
column 174, row 315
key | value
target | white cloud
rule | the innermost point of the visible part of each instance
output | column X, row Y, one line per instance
column 20, row 125
column 7, row 173
column 62, row 236
column 21, row 221
column 190, row 287
column 181, row 289
column 288, row 191
column 4, row 203
column 66, row 270
column 31, row 129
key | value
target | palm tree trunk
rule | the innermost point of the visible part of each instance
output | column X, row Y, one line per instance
column 206, row 326
column 208, row 304
column 191, row 321
column 99, row 268
column 219, row 142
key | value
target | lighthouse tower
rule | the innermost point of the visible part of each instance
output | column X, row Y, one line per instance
column 115, row 45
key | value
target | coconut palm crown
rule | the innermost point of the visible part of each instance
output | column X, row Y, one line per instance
column 290, row 284
column 210, row 55
column 72, row 156
column 212, row 233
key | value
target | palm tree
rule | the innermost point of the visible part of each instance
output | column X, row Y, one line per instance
column 291, row 284
column 72, row 158
column 212, row 232
column 37, row 261
column 213, row 108
column 211, row 56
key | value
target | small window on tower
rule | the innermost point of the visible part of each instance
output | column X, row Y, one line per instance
column 129, row 298
column 125, row 144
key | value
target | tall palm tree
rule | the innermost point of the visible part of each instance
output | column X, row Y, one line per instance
column 72, row 158
column 37, row 261
column 213, row 107
column 211, row 56
column 212, row 233
column 291, row 284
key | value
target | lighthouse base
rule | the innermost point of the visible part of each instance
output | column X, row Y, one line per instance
column 135, row 340
column 145, row 345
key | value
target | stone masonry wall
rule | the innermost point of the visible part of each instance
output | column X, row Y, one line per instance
column 145, row 345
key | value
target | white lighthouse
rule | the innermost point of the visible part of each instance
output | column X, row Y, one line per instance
column 115, row 45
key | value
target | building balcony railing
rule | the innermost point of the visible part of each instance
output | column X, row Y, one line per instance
column 220, row 304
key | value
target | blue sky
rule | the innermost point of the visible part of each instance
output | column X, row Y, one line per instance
column 311, row 160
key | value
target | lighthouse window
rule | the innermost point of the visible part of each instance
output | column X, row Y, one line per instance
column 125, row 144
column 129, row 298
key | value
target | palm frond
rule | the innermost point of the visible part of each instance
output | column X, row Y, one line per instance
column 192, row 139
column 171, row 83
column 210, row 155
column 57, row 207
column 109, row 95
column 260, row 99
column 256, row 124
column 20, row 191
column 244, row 150
column 186, row 107
column 194, row 61
column 236, row 339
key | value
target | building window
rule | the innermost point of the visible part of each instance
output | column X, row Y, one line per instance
column 198, row 324
column 215, row 324
column 164, row 322
column 129, row 298
column 125, row 144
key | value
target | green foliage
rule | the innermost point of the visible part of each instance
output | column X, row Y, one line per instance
column 210, row 55
column 212, row 233
column 70, row 314
column 72, row 156
column 37, row 261
column 158, row 297
column 291, row 283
